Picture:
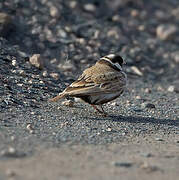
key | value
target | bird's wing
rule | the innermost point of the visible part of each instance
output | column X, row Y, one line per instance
column 93, row 84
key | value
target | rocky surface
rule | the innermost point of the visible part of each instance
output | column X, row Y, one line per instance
column 44, row 46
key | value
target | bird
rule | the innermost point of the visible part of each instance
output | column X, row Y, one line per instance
column 98, row 84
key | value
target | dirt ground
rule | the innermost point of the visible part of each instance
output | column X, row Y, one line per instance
column 48, row 141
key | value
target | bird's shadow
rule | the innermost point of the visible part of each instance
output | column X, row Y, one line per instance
column 138, row 119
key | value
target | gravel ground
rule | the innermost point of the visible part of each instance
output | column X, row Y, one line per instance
column 44, row 46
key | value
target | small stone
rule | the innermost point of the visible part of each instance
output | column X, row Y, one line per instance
column 166, row 31
column 54, row 76
column 141, row 27
column 21, row 72
column 171, row 88
column 5, row 24
column 123, row 164
column 81, row 41
column 175, row 12
column 29, row 127
column 150, row 106
column 159, row 139
column 115, row 104
column 134, row 13
column 147, row 90
column 113, row 33
column 23, row 54
column 78, row 100
column 10, row 152
column 36, row 61
column 12, row 138
column 61, row 33
column 116, row 18
column 136, row 70
column 159, row 88
column 175, row 56
column 14, row 62
column 68, row 103
column 149, row 168
column 83, row 61
column 90, row 7
column 53, row 61
column 44, row 74
column 54, row 12
column 20, row 85
column 67, row 66
column 72, row 4
column 108, row 129
column 138, row 97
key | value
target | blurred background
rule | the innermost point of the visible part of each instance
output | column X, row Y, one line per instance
column 71, row 35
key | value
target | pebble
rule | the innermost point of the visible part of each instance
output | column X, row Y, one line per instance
column 134, row 13
column 149, row 168
column 141, row 27
column 90, row 7
column 44, row 74
column 67, row 66
column 138, row 110
column 113, row 33
column 136, row 70
column 160, row 88
column 14, row 62
column 68, row 103
column 175, row 12
column 115, row 103
column 12, row 138
column 10, row 152
column 150, row 106
column 116, row 18
column 5, row 24
column 54, row 12
column 159, row 139
column 36, row 61
column 54, row 76
column 21, row 72
column 61, row 33
column 78, row 100
column 30, row 128
column 108, row 129
column 175, row 56
column 72, row 4
column 171, row 88
column 123, row 164
column 166, row 31
column 138, row 97
column 147, row 90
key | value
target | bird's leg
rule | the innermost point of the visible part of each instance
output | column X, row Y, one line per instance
column 101, row 112
column 102, row 109
column 96, row 108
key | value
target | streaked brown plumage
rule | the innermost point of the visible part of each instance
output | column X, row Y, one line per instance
column 98, row 84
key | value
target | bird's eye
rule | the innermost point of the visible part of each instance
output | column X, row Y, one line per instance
column 118, row 59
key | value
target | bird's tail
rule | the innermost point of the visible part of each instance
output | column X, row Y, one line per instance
column 56, row 98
